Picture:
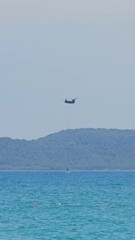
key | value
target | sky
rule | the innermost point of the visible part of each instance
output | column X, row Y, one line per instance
column 51, row 50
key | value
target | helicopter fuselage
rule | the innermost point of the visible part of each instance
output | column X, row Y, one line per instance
column 70, row 101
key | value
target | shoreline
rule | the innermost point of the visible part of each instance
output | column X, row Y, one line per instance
column 74, row 170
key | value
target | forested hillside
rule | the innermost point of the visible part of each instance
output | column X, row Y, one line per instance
column 80, row 149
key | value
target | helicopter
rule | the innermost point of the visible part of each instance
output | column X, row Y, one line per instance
column 72, row 101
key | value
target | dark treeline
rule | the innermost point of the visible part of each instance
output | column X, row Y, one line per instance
column 80, row 149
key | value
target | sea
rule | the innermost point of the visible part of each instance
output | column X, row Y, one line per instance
column 67, row 205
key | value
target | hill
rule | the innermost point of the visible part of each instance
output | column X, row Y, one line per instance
column 82, row 149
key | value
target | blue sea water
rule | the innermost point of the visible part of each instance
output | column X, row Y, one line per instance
column 67, row 206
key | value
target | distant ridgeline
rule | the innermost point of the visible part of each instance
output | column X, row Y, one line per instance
column 79, row 149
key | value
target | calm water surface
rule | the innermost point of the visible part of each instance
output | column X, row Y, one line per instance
column 67, row 206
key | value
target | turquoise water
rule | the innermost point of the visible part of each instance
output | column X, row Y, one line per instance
column 67, row 206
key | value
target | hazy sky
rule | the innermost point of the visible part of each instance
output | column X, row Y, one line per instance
column 52, row 49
